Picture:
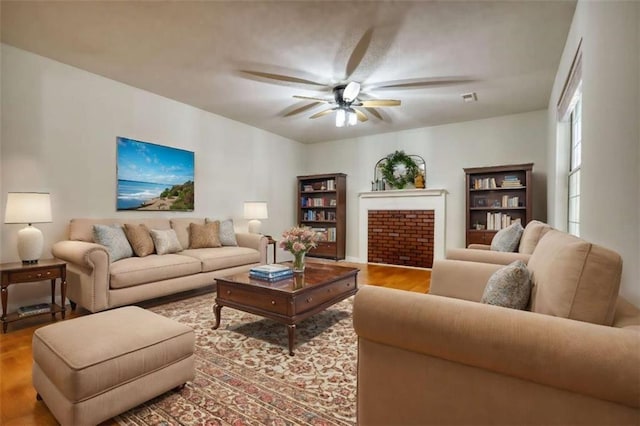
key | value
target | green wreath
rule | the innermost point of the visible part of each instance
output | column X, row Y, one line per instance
column 399, row 178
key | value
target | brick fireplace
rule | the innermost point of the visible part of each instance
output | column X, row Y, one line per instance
column 401, row 237
column 413, row 221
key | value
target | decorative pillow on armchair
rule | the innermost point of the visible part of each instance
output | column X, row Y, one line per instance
column 509, row 287
column 507, row 239
column 114, row 239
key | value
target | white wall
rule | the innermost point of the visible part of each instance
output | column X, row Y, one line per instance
column 59, row 129
column 447, row 149
column 610, row 188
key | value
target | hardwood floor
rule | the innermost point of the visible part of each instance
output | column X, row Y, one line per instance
column 18, row 404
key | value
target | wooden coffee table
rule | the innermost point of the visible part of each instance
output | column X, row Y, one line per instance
column 288, row 301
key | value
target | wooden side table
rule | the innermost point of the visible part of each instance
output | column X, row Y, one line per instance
column 17, row 273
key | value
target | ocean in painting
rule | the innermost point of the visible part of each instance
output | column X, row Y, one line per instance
column 132, row 194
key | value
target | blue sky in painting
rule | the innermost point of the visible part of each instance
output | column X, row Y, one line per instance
column 147, row 162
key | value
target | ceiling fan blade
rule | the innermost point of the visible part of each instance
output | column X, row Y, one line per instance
column 361, row 115
column 322, row 113
column 380, row 103
column 302, row 109
column 358, row 52
column 282, row 78
column 375, row 113
column 434, row 82
column 311, row 98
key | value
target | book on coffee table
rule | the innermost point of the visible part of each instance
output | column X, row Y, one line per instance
column 271, row 270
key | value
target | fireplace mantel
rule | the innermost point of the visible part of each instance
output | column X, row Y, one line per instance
column 405, row 199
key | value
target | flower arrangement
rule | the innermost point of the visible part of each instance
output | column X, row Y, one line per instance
column 299, row 240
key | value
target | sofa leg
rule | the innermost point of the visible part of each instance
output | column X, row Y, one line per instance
column 38, row 397
column 179, row 387
column 73, row 305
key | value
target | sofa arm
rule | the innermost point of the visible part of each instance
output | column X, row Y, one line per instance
column 87, row 272
column 583, row 358
column 486, row 256
column 81, row 253
column 254, row 241
column 460, row 279
column 479, row 246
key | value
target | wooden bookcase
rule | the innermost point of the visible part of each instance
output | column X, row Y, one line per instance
column 495, row 196
column 322, row 206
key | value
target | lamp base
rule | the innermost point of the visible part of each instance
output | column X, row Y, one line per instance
column 254, row 226
column 30, row 244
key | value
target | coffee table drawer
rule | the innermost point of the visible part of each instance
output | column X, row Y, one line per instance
column 270, row 303
column 324, row 294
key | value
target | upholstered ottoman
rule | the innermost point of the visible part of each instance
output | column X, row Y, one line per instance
column 92, row 368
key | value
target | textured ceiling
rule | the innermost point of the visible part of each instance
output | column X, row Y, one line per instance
column 209, row 54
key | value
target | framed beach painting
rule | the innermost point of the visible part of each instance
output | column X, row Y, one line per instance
column 154, row 177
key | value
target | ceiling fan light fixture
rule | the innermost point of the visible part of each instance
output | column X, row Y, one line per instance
column 352, row 118
column 341, row 117
column 351, row 91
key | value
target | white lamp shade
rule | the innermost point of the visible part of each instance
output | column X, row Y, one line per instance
column 255, row 210
column 28, row 207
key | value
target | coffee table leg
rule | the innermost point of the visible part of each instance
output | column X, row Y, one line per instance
column 216, row 310
column 292, row 331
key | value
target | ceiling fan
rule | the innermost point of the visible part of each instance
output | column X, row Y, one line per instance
column 345, row 99
column 348, row 101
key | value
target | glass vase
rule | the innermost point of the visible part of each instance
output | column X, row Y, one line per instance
column 298, row 261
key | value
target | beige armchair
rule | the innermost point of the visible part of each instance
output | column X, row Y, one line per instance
column 445, row 359
column 532, row 234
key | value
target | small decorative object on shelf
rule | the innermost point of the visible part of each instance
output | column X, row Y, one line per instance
column 397, row 170
column 299, row 240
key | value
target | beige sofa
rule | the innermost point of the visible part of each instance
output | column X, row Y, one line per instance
column 533, row 232
column 96, row 283
column 445, row 359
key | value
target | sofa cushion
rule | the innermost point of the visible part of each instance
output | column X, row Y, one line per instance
column 574, row 279
column 181, row 226
column 509, row 287
column 114, row 239
column 204, row 236
column 531, row 236
column 165, row 241
column 214, row 259
column 507, row 239
column 141, row 270
column 139, row 238
column 227, row 233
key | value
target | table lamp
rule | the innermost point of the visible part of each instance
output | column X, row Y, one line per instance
column 255, row 210
column 29, row 208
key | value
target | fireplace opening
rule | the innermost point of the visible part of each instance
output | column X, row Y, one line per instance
column 401, row 237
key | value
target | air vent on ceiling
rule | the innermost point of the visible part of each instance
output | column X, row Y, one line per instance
column 469, row 97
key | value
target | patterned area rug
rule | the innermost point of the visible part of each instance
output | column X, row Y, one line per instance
column 245, row 376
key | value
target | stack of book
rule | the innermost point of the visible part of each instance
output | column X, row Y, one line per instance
column 511, row 181
column 271, row 272
column 40, row 308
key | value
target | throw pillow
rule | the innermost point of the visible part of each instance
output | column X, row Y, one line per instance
column 204, row 236
column 166, row 241
column 507, row 239
column 509, row 287
column 139, row 238
column 114, row 239
column 227, row 233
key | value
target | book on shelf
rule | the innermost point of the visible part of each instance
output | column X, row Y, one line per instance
column 484, row 183
column 34, row 309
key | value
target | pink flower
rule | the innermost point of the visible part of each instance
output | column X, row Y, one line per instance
column 300, row 239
